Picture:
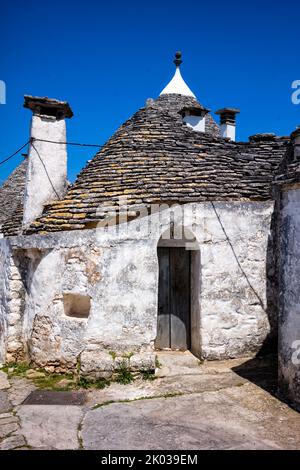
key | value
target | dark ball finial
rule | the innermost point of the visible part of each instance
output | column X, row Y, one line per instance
column 178, row 60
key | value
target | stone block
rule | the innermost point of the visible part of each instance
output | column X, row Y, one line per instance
column 96, row 364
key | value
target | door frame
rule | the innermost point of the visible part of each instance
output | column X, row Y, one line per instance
column 191, row 244
column 174, row 299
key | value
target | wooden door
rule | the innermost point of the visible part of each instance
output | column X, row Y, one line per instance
column 173, row 327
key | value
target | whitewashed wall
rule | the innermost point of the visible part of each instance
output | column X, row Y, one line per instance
column 119, row 272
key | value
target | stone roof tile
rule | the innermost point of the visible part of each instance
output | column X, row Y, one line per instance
column 11, row 201
column 154, row 157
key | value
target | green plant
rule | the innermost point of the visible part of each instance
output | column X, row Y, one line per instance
column 147, row 374
column 128, row 355
column 158, row 364
column 83, row 382
column 101, row 383
column 51, row 382
column 16, row 368
column 124, row 375
column 113, row 354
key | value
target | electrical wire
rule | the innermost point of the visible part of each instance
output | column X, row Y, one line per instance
column 67, row 143
column 33, row 139
column 236, row 257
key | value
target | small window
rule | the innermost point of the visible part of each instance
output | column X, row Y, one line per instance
column 77, row 305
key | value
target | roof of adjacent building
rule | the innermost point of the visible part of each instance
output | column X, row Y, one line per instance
column 155, row 157
column 288, row 172
column 11, row 197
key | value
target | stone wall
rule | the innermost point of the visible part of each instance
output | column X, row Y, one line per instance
column 289, row 317
column 3, row 297
column 115, row 271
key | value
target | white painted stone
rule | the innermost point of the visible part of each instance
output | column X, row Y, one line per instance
column 228, row 130
column 46, row 162
column 197, row 123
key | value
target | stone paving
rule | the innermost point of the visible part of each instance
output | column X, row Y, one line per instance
column 214, row 405
column 11, row 436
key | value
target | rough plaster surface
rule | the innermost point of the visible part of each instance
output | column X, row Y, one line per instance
column 289, row 319
column 117, row 269
column 12, row 296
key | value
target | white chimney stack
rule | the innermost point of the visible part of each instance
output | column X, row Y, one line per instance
column 194, row 117
column 228, row 122
column 46, row 178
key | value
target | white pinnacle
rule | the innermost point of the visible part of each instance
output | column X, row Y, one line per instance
column 177, row 85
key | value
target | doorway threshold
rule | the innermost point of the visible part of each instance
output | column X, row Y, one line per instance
column 177, row 363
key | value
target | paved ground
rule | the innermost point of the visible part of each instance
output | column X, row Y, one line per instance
column 215, row 405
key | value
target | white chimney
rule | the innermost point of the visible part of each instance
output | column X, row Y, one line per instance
column 194, row 117
column 227, row 122
column 46, row 178
column 295, row 138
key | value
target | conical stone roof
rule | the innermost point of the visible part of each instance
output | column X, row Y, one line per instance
column 154, row 157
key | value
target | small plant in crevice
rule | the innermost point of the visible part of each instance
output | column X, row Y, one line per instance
column 124, row 375
column 101, row 383
column 54, row 382
column 147, row 374
column 128, row 355
column 16, row 368
column 158, row 364
column 113, row 354
column 83, row 382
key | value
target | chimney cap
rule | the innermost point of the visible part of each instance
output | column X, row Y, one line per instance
column 228, row 110
column 48, row 106
column 197, row 110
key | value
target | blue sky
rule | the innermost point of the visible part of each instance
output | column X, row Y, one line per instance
column 107, row 58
